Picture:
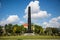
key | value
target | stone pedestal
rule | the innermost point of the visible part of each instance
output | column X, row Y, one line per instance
column 29, row 34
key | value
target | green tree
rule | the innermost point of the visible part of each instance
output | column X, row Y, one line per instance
column 48, row 31
column 55, row 31
column 17, row 29
column 22, row 29
column 38, row 29
column 1, row 31
column 51, row 31
column 8, row 29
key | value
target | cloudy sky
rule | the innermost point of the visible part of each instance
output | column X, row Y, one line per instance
column 43, row 12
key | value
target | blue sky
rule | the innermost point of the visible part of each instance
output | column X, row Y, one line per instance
column 17, row 7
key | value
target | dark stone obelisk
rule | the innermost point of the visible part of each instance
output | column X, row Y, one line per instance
column 29, row 19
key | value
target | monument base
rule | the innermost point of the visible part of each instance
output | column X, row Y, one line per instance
column 30, row 31
column 29, row 34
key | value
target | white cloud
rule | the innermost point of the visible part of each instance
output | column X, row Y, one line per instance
column 34, row 7
column 10, row 19
column 41, row 14
column 21, row 22
column 54, row 22
column 45, row 23
column 36, row 12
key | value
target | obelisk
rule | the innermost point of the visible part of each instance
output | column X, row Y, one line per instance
column 29, row 19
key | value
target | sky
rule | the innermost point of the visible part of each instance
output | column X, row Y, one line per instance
column 43, row 12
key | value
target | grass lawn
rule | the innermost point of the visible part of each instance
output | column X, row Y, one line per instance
column 28, row 37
